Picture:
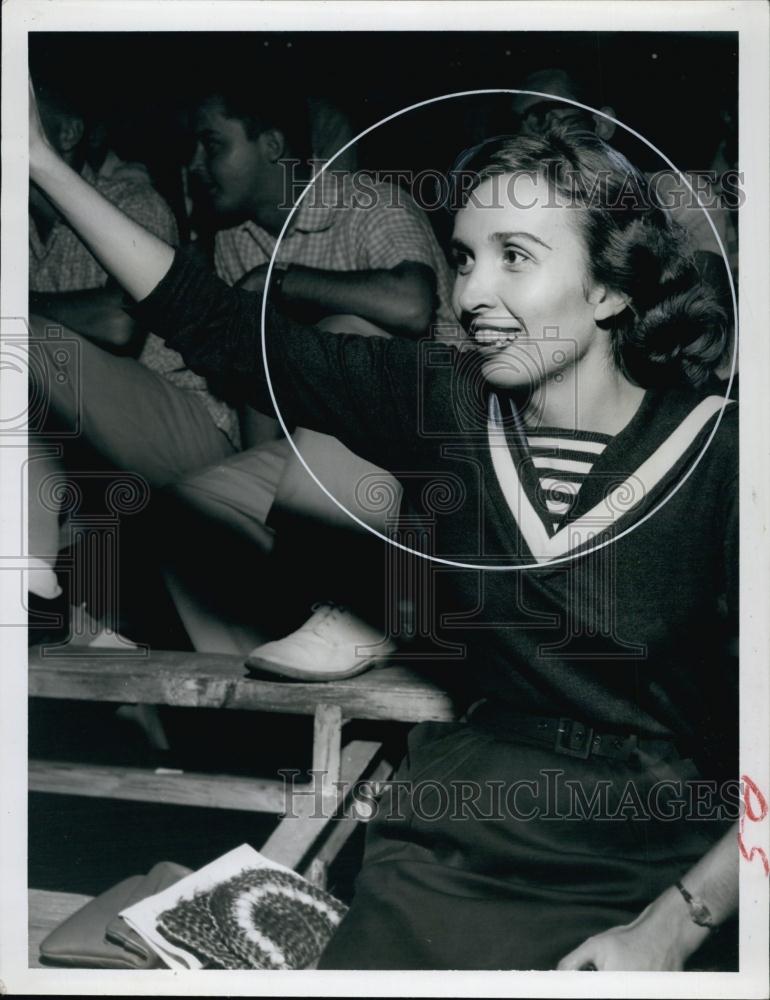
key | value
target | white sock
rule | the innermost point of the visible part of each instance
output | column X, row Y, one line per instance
column 41, row 579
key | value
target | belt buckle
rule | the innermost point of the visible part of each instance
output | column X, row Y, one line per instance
column 570, row 733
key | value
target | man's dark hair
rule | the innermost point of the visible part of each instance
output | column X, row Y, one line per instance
column 255, row 99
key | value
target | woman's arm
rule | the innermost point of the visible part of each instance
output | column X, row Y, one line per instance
column 362, row 390
column 365, row 391
column 135, row 258
column 664, row 935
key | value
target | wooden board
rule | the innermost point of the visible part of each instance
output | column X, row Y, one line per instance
column 212, row 791
column 46, row 911
column 209, row 680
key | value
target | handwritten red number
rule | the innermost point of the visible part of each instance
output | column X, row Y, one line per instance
column 751, row 797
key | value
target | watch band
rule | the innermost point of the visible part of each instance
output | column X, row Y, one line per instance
column 700, row 914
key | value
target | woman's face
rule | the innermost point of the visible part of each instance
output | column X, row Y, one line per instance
column 522, row 289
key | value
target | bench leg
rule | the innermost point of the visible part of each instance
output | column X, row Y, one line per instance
column 312, row 810
column 346, row 825
column 295, row 833
column 327, row 748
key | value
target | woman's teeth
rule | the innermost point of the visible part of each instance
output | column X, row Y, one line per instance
column 495, row 337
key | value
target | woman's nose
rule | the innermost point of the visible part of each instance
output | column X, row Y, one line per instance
column 475, row 291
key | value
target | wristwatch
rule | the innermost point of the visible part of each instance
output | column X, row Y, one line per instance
column 700, row 914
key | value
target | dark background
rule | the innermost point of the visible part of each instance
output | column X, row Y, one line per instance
column 672, row 87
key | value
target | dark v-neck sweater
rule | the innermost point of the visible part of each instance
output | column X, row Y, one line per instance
column 627, row 637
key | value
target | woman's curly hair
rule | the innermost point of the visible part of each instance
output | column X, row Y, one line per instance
column 673, row 330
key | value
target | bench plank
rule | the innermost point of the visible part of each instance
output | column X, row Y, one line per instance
column 210, row 680
column 212, row 791
column 46, row 911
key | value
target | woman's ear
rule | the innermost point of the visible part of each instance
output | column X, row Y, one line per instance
column 607, row 303
column 605, row 129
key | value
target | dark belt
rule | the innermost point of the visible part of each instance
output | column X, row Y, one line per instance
column 564, row 736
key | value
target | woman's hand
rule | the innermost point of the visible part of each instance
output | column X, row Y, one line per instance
column 661, row 938
column 664, row 935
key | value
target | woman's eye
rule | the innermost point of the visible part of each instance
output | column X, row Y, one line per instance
column 514, row 256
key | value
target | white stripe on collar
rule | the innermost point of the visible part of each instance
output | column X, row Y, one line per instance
column 566, row 443
column 622, row 500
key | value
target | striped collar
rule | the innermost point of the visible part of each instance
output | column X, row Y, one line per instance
column 633, row 466
column 563, row 459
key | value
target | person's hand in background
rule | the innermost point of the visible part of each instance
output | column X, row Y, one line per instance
column 254, row 280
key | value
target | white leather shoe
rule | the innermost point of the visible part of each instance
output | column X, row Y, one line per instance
column 89, row 631
column 332, row 644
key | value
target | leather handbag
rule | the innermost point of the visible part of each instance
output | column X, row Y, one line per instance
column 95, row 937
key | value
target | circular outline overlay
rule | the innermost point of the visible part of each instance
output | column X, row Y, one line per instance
column 451, row 562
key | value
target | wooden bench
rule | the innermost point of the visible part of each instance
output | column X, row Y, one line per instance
column 46, row 911
column 203, row 680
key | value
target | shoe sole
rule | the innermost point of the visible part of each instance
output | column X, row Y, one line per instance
column 298, row 674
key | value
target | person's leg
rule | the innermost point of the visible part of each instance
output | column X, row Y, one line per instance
column 371, row 494
column 115, row 412
column 353, row 495
column 239, row 494
column 134, row 418
column 43, row 470
column 238, row 491
column 230, row 501
column 462, row 871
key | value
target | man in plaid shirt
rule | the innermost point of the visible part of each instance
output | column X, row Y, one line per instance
column 357, row 256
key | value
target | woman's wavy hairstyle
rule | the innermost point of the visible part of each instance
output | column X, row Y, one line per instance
column 673, row 330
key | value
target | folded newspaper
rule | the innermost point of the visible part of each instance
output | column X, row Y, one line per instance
column 242, row 911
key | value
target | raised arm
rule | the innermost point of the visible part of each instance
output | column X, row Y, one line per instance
column 135, row 258
column 363, row 390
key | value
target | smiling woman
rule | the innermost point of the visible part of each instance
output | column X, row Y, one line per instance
column 585, row 215
column 524, row 293
column 559, row 825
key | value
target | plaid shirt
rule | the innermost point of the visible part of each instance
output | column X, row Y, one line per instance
column 347, row 222
column 64, row 264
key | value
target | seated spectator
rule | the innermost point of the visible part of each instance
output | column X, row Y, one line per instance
column 367, row 254
column 133, row 400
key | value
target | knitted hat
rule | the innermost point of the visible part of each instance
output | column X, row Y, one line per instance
column 264, row 918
